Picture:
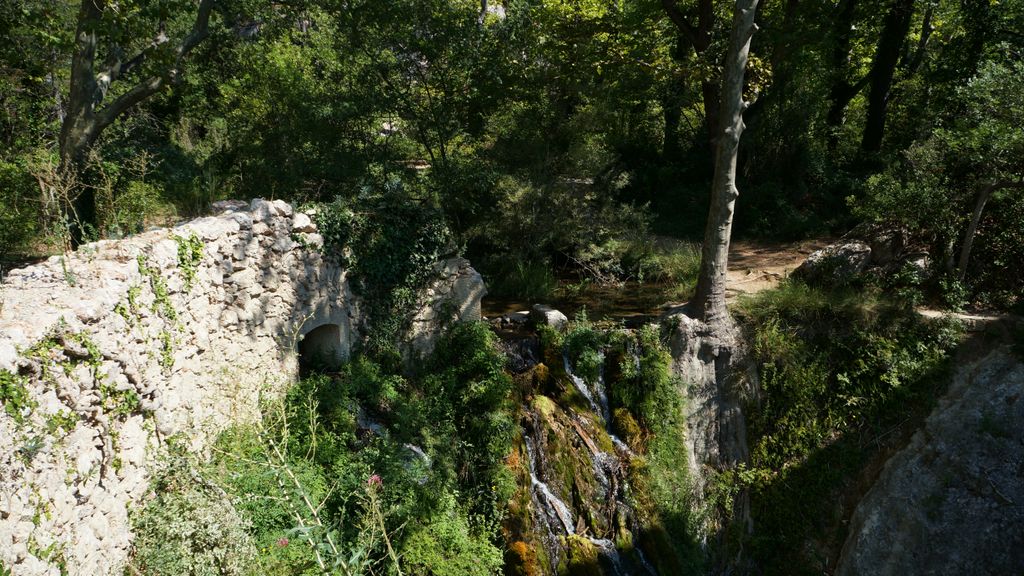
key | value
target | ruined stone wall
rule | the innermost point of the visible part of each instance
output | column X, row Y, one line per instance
column 108, row 352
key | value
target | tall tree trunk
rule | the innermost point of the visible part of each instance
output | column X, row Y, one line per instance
column 984, row 195
column 709, row 304
column 883, row 69
column 972, row 228
column 86, row 117
column 842, row 90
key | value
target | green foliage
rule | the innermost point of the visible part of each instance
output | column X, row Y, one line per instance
column 187, row 527
column 583, row 345
column 15, row 396
column 840, row 372
column 62, row 421
column 446, row 545
column 190, row 252
column 390, row 244
column 529, row 280
column 932, row 189
column 368, row 466
column 162, row 304
column 19, row 215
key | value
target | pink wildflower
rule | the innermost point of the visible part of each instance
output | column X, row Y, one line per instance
column 282, row 542
column 374, row 481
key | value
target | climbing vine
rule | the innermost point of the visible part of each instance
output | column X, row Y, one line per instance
column 190, row 252
column 15, row 397
column 390, row 245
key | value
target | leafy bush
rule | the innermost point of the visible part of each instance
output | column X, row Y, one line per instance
column 19, row 214
column 370, row 467
column 840, row 373
column 530, row 280
column 188, row 527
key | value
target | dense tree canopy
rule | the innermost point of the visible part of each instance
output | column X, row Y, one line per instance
column 550, row 132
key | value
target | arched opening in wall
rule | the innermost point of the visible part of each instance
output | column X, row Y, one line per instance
column 321, row 350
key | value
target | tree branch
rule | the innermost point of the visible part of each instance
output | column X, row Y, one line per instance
column 915, row 61
column 153, row 84
column 124, row 102
column 677, row 18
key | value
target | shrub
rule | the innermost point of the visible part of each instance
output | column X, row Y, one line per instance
column 189, row 527
column 840, row 372
column 532, row 280
column 19, row 214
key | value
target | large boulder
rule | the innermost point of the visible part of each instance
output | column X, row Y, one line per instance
column 952, row 501
column 835, row 264
column 542, row 315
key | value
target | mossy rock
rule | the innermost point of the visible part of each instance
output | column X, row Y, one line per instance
column 521, row 560
column 626, row 425
column 541, row 375
column 582, row 558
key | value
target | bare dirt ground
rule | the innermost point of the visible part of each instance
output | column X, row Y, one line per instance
column 753, row 267
column 757, row 266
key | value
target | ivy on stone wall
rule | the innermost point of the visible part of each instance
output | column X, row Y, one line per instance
column 390, row 244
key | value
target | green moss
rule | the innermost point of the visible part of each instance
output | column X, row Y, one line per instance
column 544, row 405
column 581, row 558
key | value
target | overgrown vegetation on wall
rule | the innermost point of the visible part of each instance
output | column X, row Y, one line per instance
column 352, row 471
column 390, row 242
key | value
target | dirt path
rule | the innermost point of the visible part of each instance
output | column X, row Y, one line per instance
column 757, row 266
column 753, row 267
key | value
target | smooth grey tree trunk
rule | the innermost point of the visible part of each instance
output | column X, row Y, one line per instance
column 972, row 228
column 709, row 304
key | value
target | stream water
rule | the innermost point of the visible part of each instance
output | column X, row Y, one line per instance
column 607, row 522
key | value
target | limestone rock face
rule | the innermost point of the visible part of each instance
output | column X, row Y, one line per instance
column 180, row 331
column 952, row 501
column 720, row 378
column 454, row 296
column 542, row 315
column 835, row 264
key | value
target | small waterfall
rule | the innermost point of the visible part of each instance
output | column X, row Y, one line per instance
column 608, row 510
column 580, row 384
column 552, row 503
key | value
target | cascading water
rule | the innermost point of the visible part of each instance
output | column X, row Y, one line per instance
column 611, row 489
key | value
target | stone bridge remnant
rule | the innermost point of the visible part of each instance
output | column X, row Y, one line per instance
column 107, row 352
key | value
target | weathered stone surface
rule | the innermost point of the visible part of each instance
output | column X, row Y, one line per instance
column 197, row 358
column 543, row 315
column 719, row 379
column 952, row 501
column 453, row 297
column 835, row 264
